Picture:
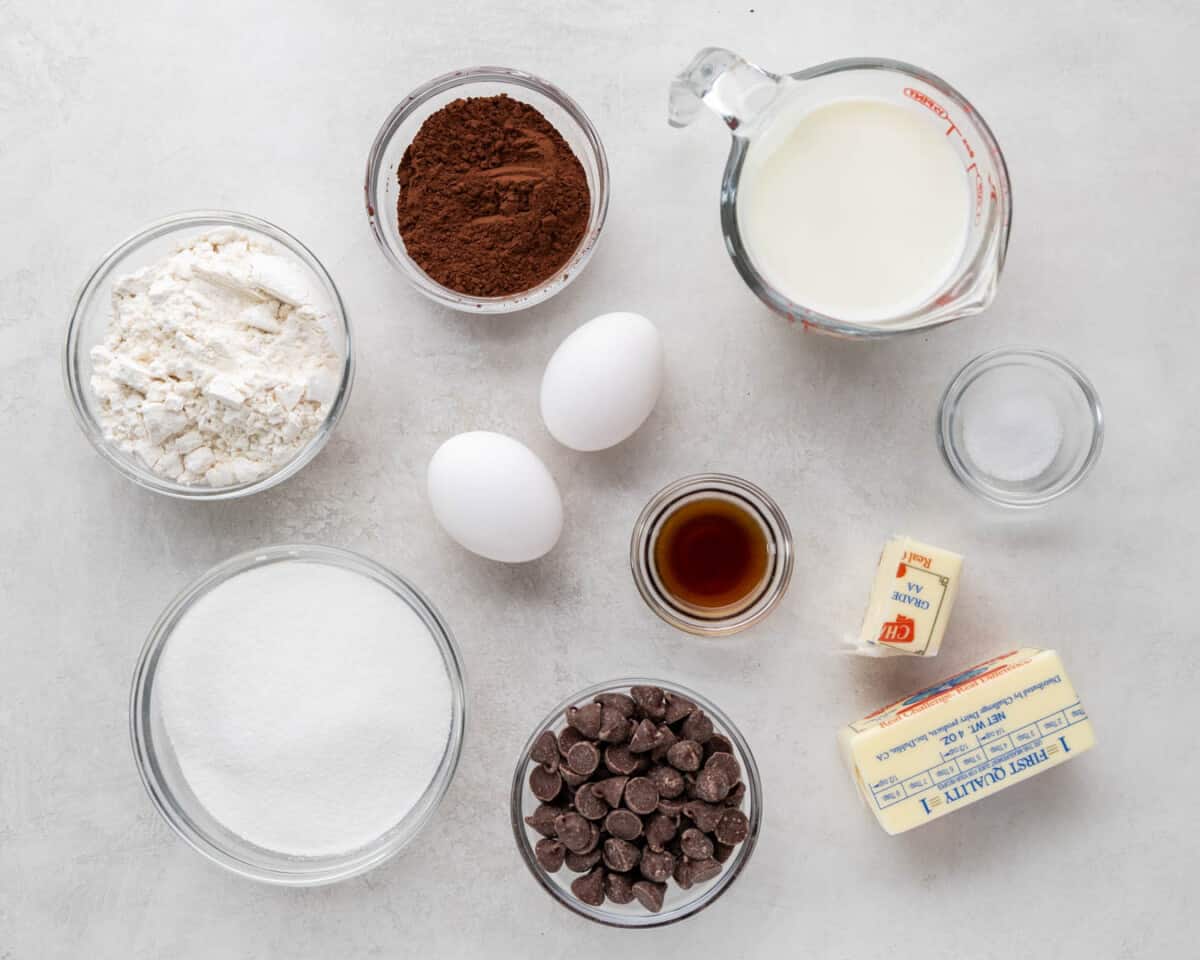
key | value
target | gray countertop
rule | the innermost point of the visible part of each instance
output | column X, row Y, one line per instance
column 110, row 120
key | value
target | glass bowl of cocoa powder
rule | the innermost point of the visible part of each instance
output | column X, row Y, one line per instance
column 487, row 188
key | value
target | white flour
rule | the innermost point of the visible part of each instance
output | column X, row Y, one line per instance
column 308, row 706
column 217, row 367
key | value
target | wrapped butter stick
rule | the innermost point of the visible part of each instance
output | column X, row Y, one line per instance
column 965, row 738
column 911, row 599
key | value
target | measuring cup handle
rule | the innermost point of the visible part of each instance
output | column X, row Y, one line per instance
column 727, row 84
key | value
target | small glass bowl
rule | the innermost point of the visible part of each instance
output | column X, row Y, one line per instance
column 401, row 126
column 678, row 903
column 93, row 310
column 169, row 790
column 759, row 505
column 1042, row 392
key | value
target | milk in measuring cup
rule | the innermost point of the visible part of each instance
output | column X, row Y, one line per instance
column 858, row 209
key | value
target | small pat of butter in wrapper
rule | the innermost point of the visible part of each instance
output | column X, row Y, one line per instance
column 911, row 599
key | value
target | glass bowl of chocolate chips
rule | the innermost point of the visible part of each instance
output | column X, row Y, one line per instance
column 636, row 803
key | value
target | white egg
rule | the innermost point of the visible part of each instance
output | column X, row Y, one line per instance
column 495, row 497
column 603, row 381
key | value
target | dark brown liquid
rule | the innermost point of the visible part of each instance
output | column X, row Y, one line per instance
column 712, row 553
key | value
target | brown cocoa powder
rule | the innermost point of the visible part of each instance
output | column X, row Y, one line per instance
column 492, row 199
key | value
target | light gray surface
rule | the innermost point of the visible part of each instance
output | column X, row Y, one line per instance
column 108, row 121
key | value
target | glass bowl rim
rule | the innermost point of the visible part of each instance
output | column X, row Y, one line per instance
column 776, row 588
column 417, row 277
column 705, row 898
column 894, row 326
column 141, row 688
column 970, row 372
column 76, row 385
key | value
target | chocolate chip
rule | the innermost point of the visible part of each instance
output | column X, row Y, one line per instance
column 643, row 737
column 620, row 760
column 621, row 855
column 567, row 738
column 623, row 824
column 678, row 707
column 663, row 742
column 668, row 780
column 623, row 704
column 611, row 789
column 542, row 819
column 660, row 830
column 736, row 795
column 711, row 785
column 697, row 727
column 733, row 827
column 669, row 807
column 584, row 758
column 704, row 815
column 550, row 854
column 727, row 764
column 683, row 873
column 573, row 779
column 656, row 865
column 590, row 889
column 545, row 785
column 582, row 862
column 650, row 895
column 574, row 831
column 590, row 804
column 586, row 719
column 641, row 795
column 618, row 888
column 695, row 845
column 652, row 701
column 703, row 870
column 545, row 750
column 718, row 743
column 614, row 727
column 685, row 755
column 722, row 851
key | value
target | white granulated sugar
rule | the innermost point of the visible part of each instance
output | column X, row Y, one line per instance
column 308, row 706
column 217, row 366
column 1013, row 436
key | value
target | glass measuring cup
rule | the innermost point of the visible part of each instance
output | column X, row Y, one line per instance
column 750, row 100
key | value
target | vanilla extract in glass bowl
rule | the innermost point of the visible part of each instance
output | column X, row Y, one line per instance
column 711, row 554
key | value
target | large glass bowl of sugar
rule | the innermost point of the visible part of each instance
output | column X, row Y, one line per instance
column 297, row 714
column 861, row 198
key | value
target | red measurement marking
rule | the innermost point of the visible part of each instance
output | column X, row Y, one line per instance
column 974, row 168
column 935, row 108
column 927, row 101
column 942, row 113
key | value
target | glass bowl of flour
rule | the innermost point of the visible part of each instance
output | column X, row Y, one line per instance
column 209, row 356
column 297, row 714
